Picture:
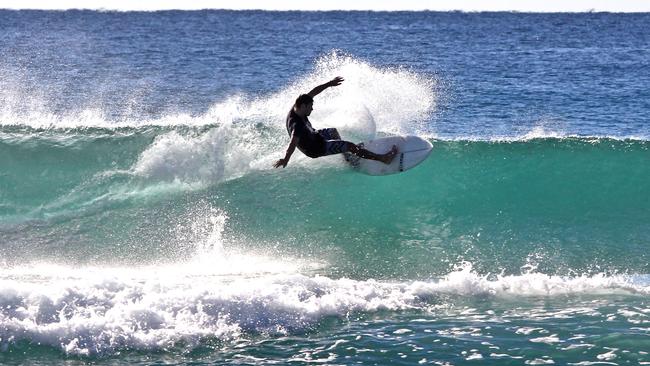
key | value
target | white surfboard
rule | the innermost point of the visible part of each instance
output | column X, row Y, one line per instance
column 411, row 151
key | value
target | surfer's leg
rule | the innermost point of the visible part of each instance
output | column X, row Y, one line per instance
column 330, row 134
column 337, row 147
column 386, row 158
column 334, row 145
column 333, row 133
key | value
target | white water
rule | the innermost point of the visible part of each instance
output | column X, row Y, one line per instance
column 98, row 310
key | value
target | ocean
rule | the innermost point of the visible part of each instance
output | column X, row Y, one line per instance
column 142, row 222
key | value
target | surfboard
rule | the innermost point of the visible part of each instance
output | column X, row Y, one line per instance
column 411, row 151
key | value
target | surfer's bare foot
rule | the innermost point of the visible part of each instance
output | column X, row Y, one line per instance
column 388, row 157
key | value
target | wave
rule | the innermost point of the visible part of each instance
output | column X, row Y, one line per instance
column 39, row 166
column 580, row 203
column 104, row 311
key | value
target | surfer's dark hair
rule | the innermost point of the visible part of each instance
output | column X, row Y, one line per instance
column 304, row 99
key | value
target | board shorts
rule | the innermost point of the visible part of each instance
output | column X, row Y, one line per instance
column 333, row 142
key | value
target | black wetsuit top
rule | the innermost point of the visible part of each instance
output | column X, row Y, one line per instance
column 310, row 142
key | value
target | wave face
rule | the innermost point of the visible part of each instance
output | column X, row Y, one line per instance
column 575, row 203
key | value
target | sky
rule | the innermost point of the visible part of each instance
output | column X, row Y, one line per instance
column 441, row 5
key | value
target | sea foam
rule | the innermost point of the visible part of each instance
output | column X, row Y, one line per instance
column 100, row 311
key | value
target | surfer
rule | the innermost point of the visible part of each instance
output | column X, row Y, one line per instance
column 317, row 143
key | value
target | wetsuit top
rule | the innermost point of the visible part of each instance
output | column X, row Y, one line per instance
column 310, row 142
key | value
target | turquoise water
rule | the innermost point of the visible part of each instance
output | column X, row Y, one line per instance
column 579, row 204
column 141, row 221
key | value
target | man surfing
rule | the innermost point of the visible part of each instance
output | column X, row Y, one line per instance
column 317, row 143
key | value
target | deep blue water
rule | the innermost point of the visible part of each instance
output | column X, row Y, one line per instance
column 141, row 220
column 498, row 72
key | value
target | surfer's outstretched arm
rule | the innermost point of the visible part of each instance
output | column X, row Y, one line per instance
column 292, row 147
column 317, row 90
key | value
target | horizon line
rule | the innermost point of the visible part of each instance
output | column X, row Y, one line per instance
column 469, row 6
column 522, row 11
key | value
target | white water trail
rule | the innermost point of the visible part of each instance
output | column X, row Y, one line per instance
column 99, row 311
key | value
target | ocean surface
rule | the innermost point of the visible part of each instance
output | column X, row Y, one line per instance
column 141, row 221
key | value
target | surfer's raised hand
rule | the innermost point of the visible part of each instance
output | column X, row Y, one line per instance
column 336, row 81
column 317, row 90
